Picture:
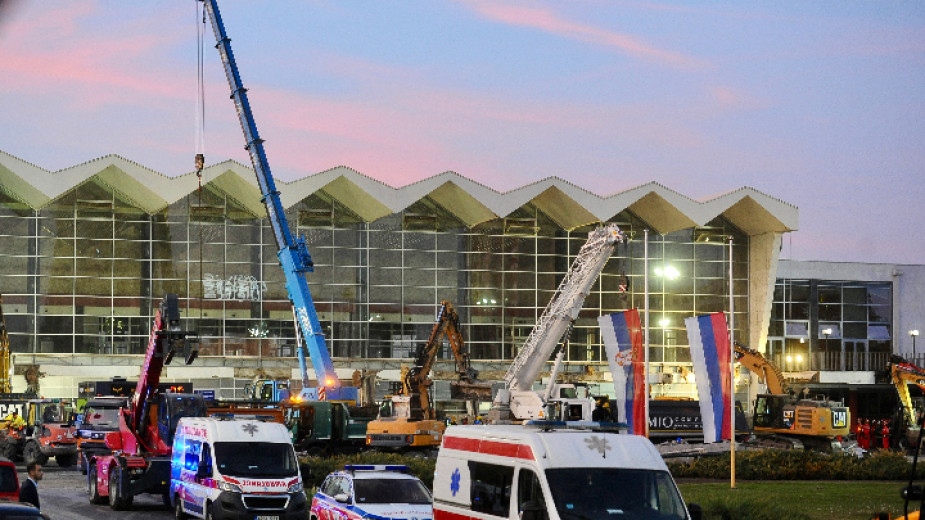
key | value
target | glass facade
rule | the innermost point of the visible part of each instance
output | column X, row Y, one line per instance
column 84, row 274
column 831, row 325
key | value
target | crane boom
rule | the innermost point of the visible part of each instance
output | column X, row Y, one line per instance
column 563, row 308
column 293, row 254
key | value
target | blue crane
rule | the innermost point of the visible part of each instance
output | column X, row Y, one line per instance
column 293, row 254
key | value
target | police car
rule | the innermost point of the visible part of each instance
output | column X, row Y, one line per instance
column 382, row 492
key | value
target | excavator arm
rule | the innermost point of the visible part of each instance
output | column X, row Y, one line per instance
column 904, row 373
column 760, row 365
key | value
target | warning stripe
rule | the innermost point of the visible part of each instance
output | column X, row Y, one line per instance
column 501, row 449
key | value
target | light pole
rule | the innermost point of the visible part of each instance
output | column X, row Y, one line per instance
column 825, row 346
column 913, row 333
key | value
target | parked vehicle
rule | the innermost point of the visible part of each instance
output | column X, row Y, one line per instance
column 384, row 492
column 100, row 416
column 9, row 481
column 547, row 470
column 230, row 468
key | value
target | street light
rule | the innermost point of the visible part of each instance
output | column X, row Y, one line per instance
column 825, row 347
column 913, row 333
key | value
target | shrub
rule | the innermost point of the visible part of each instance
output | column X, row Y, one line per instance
column 798, row 465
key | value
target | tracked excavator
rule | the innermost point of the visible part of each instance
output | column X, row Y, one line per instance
column 904, row 373
column 408, row 420
column 784, row 420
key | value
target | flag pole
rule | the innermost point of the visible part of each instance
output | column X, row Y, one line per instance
column 645, row 281
column 732, row 379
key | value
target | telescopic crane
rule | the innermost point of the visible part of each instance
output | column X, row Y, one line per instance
column 293, row 254
column 519, row 401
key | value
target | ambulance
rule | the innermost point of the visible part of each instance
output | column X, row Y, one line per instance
column 553, row 470
column 226, row 467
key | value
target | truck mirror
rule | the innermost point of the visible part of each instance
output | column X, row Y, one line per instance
column 912, row 493
column 696, row 511
column 343, row 498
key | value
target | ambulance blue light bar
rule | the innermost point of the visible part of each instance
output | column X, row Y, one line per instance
column 377, row 467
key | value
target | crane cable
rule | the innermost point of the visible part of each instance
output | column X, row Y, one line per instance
column 200, row 135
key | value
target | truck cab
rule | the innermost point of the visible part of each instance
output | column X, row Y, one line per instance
column 100, row 415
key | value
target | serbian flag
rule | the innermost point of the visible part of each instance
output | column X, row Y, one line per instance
column 622, row 335
column 709, row 341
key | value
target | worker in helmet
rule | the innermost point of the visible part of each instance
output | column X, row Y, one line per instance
column 14, row 421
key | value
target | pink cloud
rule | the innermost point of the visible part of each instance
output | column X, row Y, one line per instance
column 548, row 21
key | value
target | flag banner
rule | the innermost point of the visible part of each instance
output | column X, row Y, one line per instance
column 622, row 335
column 709, row 340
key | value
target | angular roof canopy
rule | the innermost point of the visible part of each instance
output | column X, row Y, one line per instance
column 472, row 203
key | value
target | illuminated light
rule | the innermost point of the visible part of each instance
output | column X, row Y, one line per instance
column 789, row 358
column 799, row 358
column 669, row 271
column 664, row 322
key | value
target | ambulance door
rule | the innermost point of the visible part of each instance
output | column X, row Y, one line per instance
column 530, row 502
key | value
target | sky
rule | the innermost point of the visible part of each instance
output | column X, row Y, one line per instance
column 820, row 104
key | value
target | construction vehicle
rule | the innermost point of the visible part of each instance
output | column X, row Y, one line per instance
column 268, row 390
column 323, row 428
column 139, row 461
column 784, row 420
column 99, row 417
column 408, row 419
column 518, row 401
column 293, row 254
column 904, row 373
column 46, row 430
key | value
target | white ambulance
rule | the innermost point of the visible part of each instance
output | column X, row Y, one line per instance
column 555, row 471
column 235, row 468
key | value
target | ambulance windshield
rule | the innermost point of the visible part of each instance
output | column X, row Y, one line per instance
column 595, row 493
column 256, row 459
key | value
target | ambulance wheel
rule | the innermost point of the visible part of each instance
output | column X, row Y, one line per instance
column 208, row 511
column 93, row 489
column 118, row 484
column 178, row 508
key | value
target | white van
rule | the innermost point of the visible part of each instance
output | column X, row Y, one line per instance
column 554, row 471
column 235, row 468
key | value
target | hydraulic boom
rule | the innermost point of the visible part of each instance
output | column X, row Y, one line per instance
column 293, row 254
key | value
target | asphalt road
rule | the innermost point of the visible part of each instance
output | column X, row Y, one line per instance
column 63, row 493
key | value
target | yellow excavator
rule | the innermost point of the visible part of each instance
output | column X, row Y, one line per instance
column 407, row 419
column 782, row 418
column 5, row 384
column 902, row 374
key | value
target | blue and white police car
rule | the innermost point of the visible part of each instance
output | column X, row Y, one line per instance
column 381, row 492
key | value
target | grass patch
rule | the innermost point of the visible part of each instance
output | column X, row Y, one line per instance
column 794, row 500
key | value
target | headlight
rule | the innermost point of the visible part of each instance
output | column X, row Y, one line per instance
column 227, row 486
column 296, row 488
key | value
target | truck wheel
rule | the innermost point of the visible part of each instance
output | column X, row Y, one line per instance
column 118, row 485
column 178, row 508
column 92, row 487
column 8, row 450
column 82, row 461
column 66, row 461
column 207, row 512
column 32, row 452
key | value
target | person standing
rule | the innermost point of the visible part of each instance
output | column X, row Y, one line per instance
column 29, row 492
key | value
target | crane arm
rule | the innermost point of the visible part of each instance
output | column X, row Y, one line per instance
column 293, row 255
column 563, row 308
column 417, row 379
column 760, row 365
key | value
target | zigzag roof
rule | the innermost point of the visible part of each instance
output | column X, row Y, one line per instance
column 568, row 205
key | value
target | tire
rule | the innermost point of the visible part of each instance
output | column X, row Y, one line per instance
column 178, row 513
column 32, row 452
column 66, row 461
column 82, row 461
column 92, row 488
column 8, row 450
column 207, row 512
column 118, row 484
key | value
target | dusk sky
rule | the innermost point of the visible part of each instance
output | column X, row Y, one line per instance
column 819, row 104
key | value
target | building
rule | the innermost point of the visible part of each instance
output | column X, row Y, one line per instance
column 89, row 251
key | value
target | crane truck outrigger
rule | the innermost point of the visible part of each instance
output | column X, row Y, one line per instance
column 409, row 420
column 293, row 254
column 141, row 448
column 518, row 401
column 781, row 415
